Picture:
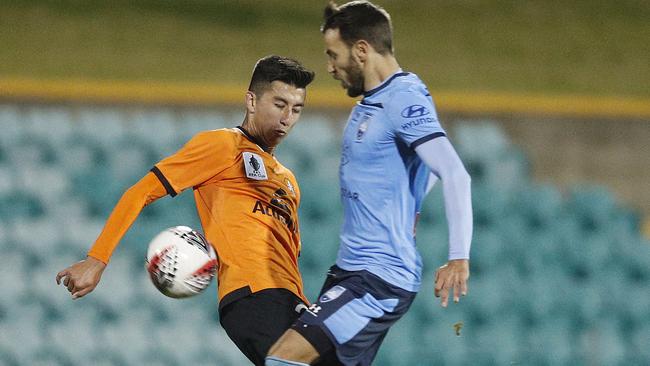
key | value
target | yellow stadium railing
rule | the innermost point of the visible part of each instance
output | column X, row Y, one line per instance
column 464, row 102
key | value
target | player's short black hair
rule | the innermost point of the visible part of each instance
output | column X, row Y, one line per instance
column 360, row 20
column 277, row 68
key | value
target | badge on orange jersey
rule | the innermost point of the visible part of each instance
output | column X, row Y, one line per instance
column 290, row 186
column 254, row 166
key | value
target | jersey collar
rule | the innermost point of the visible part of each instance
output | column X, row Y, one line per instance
column 254, row 140
column 384, row 83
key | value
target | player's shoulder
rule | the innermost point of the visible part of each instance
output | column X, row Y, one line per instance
column 290, row 173
column 219, row 136
column 224, row 140
column 284, row 170
column 407, row 90
column 409, row 83
column 293, row 184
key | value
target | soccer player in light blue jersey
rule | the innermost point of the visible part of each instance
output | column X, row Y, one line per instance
column 394, row 150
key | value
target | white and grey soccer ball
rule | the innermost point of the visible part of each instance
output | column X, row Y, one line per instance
column 181, row 262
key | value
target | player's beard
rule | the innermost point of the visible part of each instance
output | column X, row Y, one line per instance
column 355, row 79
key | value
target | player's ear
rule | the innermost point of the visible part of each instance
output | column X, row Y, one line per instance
column 251, row 101
column 360, row 50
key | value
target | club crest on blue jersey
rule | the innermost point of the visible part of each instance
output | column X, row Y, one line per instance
column 362, row 129
column 415, row 110
column 332, row 294
column 363, row 126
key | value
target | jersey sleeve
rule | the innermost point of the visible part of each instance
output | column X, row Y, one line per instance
column 202, row 159
column 413, row 117
column 145, row 191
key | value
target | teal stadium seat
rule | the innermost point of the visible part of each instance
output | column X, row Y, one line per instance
column 479, row 138
column 101, row 124
column 22, row 332
column 7, row 179
column 490, row 205
column 48, row 355
column 489, row 157
column 640, row 338
column 33, row 233
column 191, row 121
column 53, row 123
column 47, row 183
column 540, row 204
column 12, row 264
column 549, row 343
column 82, row 154
column 311, row 149
column 3, row 154
column 140, row 122
column 31, row 151
column 300, row 160
column 78, row 231
column 320, row 201
column 107, row 357
column 72, row 340
column 593, row 206
column 116, row 290
column 602, row 343
column 130, row 159
column 13, row 127
column 20, row 204
column 8, row 358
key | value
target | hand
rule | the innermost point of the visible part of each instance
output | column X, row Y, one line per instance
column 453, row 275
column 81, row 277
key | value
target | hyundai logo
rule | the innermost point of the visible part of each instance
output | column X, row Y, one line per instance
column 415, row 110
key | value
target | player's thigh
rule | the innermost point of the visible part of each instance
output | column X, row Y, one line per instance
column 353, row 317
column 256, row 321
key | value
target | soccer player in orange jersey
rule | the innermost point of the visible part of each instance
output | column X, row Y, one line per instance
column 248, row 205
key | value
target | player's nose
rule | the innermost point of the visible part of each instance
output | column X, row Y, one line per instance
column 284, row 118
column 330, row 68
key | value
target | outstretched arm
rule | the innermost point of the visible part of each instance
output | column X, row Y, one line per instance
column 82, row 277
column 439, row 155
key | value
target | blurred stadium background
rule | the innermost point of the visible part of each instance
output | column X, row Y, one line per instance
column 548, row 102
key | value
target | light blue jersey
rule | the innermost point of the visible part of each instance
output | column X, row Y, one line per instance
column 383, row 181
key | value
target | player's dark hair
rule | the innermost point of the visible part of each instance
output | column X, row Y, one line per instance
column 278, row 68
column 360, row 20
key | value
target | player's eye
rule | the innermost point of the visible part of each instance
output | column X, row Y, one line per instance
column 279, row 105
column 296, row 110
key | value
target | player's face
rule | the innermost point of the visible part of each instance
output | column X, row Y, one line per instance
column 276, row 111
column 342, row 65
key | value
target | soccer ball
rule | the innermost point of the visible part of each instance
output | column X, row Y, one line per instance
column 181, row 262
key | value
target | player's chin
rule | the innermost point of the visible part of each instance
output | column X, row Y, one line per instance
column 277, row 139
column 354, row 92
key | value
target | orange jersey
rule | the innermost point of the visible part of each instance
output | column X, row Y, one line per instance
column 248, row 205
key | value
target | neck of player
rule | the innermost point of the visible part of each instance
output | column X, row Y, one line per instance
column 377, row 69
column 256, row 133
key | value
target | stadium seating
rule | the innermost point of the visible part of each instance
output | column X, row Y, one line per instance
column 558, row 278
